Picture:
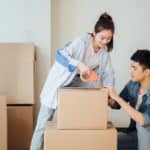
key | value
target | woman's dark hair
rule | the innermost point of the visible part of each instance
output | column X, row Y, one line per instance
column 142, row 56
column 105, row 22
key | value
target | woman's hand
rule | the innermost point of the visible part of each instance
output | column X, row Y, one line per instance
column 84, row 71
column 83, row 68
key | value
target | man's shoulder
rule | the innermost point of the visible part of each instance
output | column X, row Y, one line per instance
column 132, row 84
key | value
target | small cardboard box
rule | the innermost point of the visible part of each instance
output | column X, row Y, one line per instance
column 79, row 139
column 20, row 127
column 3, row 123
column 81, row 108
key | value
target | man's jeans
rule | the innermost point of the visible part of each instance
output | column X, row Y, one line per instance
column 127, row 141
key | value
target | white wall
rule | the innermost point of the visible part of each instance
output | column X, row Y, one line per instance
column 71, row 18
column 28, row 21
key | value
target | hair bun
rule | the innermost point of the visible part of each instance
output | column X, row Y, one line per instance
column 105, row 16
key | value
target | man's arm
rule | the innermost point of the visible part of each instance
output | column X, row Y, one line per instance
column 124, row 94
column 132, row 112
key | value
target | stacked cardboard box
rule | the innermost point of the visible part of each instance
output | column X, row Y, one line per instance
column 81, row 122
column 20, row 127
column 17, row 63
column 3, row 123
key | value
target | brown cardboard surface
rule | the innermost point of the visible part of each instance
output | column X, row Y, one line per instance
column 3, row 101
column 80, row 108
column 79, row 139
column 3, row 123
column 17, row 72
column 20, row 127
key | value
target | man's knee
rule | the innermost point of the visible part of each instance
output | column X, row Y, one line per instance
column 127, row 141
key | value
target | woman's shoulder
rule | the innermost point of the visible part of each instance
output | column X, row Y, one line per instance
column 81, row 40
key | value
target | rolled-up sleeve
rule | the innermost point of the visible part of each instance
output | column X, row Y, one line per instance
column 65, row 56
column 146, row 115
column 146, row 120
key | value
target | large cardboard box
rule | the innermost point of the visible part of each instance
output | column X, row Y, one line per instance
column 3, row 123
column 17, row 63
column 80, row 108
column 20, row 127
column 79, row 139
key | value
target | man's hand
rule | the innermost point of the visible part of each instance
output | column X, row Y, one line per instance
column 113, row 95
column 111, row 102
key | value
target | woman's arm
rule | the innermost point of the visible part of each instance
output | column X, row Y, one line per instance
column 65, row 57
column 68, row 56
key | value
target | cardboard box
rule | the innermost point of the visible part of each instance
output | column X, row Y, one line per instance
column 79, row 139
column 17, row 63
column 80, row 108
column 20, row 127
column 3, row 123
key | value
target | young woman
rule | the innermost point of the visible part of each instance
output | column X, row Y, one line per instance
column 90, row 51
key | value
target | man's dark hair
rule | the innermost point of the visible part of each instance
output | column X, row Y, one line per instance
column 142, row 56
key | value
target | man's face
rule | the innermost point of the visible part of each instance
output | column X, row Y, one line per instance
column 137, row 72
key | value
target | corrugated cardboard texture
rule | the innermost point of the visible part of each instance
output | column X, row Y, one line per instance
column 20, row 127
column 82, row 108
column 17, row 72
column 79, row 139
column 3, row 123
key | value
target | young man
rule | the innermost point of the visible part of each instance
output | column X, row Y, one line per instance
column 134, row 99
